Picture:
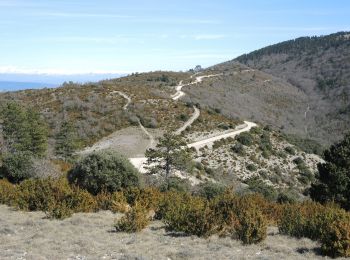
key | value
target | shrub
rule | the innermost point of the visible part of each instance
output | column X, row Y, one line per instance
column 8, row 192
column 290, row 150
column 134, row 221
column 115, row 202
column 104, row 171
column 210, row 190
column 239, row 149
column 258, row 186
column 17, row 166
column 252, row 226
column 176, row 184
column 336, row 238
column 328, row 224
column 55, row 197
column 245, row 138
column 188, row 214
column 251, row 167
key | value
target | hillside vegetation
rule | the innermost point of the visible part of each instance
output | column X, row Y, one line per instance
column 320, row 68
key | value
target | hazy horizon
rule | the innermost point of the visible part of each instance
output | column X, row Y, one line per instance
column 112, row 37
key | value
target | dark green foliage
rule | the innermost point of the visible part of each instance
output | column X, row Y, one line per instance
column 251, row 167
column 285, row 197
column 306, row 145
column 290, row 150
column 210, row 190
column 239, row 149
column 265, row 142
column 66, row 141
column 176, row 184
column 104, row 171
column 245, row 138
column 333, row 179
column 24, row 130
column 258, row 186
column 17, row 166
column 168, row 155
column 38, row 132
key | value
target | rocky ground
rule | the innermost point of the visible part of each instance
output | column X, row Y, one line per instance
column 28, row 235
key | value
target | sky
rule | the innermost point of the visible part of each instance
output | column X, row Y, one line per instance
column 111, row 36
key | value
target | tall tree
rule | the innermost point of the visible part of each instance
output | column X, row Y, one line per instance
column 38, row 132
column 170, row 154
column 333, row 179
column 23, row 130
column 15, row 126
column 66, row 141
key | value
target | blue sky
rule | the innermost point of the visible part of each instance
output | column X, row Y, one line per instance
column 82, row 36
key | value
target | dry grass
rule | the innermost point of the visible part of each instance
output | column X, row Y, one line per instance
column 28, row 235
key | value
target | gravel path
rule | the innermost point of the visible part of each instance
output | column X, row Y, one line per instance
column 209, row 141
column 190, row 121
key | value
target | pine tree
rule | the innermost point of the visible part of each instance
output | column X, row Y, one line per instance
column 38, row 132
column 66, row 141
column 170, row 153
column 333, row 180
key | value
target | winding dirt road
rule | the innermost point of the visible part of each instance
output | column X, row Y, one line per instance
column 190, row 121
column 179, row 93
column 140, row 162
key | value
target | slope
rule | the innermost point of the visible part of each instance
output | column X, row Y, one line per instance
column 320, row 68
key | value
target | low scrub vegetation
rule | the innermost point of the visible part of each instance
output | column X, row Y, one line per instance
column 223, row 213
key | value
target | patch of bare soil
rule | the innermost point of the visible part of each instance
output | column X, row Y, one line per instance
column 28, row 235
column 130, row 141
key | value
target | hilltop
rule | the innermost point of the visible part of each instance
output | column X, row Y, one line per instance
column 320, row 68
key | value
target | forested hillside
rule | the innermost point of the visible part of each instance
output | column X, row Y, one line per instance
column 320, row 68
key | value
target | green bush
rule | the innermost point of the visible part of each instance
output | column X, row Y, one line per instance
column 252, row 226
column 251, row 167
column 245, row 138
column 210, row 190
column 238, row 149
column 55, row 197
column 17, row 167
column 327, row 224
column 188, row 214
column 176, row 184
column 134, row 221
column 258, row 186
column 290, row 150
column 104, row 171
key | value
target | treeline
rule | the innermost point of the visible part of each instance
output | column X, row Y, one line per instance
column 299, row 46
column 25, row 137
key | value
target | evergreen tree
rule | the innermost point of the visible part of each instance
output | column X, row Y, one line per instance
column 66, row 141
column 333, row 180
column 38, row 132
column 15, row 126
column 168, row 155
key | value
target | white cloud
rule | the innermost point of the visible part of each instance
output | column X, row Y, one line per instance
column 51, row 71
